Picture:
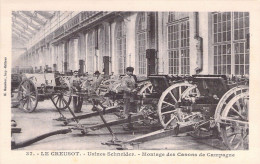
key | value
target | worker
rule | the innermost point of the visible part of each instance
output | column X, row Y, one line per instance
column 97, row 80
column 112, row 76
column 75, row 87
column 128, row 85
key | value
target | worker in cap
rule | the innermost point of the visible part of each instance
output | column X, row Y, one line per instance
column 128, row 85
column 97, row 80
column 75, row 87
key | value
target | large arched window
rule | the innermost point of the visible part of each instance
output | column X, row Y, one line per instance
column 178, row 43
column 121, row 47
column 141, row 33
column 91, row 52
column 230, row 42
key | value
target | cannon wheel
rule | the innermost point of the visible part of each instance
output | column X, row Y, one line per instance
column 169, row 99
column 60, row 98
column 146, row 89
column 235, row 126
column 226, row 98
column 108, row 82
column 27, row 95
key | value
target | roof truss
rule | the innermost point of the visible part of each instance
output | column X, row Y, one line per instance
column 33, row 17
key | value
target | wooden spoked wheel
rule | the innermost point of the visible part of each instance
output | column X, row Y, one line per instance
column 105, row 85
column 27, row 96
column 147, row 89
column 108, row 82
column 234, row 122
column 59, row 99
column 169, row 100
column 226, row 98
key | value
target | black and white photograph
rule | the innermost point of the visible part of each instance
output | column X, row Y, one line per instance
column 130, row 80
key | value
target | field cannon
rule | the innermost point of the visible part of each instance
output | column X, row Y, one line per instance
column 203, row 106
column 39, row 87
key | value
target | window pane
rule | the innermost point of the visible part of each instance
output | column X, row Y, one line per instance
column 219, row 27
column 241, row 23
column 219, row 70
column 229, row 69
column 224, row 17
column 241, row 34
column 241, row 69
column 228, row 25
column 247, row 69
column 215, row 38
column 229, row 59
column 215, row 70
column 236, row 15
column 219, row 60
column 241, row 58
column 215, row 60
column 224, row 59
column 224, row 70
column 236, row 34
column 236, row 59
column 228, row 16
column 236, row 24
column 229, row 36
column 224, row 36
column 224, row 49
column 236, row 69
column 241, row 48
column 247, row 59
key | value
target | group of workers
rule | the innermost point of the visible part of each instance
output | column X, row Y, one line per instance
column 128, row 86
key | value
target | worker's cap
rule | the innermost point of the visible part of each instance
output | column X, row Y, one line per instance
column 130, row 69
column 97, row 73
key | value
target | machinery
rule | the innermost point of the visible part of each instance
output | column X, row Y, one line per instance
column 39, row 87
column 204, row 106
column 201, row 105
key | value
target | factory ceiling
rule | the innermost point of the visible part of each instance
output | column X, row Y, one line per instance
column 25, row 24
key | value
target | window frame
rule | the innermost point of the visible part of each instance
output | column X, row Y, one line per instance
column 180, row 69
column 232, row 43
column 141, row 63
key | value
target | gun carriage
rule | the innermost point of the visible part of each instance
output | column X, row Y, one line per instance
column 107, row 97
column 39, row 87
column 203, row 105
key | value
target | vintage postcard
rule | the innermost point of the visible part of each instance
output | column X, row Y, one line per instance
column 136, row 81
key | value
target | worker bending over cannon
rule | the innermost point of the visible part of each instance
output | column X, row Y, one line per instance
column 84, row 84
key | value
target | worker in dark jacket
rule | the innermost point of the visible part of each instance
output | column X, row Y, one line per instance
column 128, row 85
column 75, row 87
column 97, row 80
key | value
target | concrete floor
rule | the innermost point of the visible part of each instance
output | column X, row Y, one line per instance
column 41, row 121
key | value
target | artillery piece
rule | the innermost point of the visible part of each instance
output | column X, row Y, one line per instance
column 39, row 87
column 204, row 106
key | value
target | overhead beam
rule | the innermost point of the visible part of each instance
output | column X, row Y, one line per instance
column 34, row 26
column 21, row 34
column 45, row 14
column 24, row 25
column 22, row 31
column 19, row 38
column 33, row 17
